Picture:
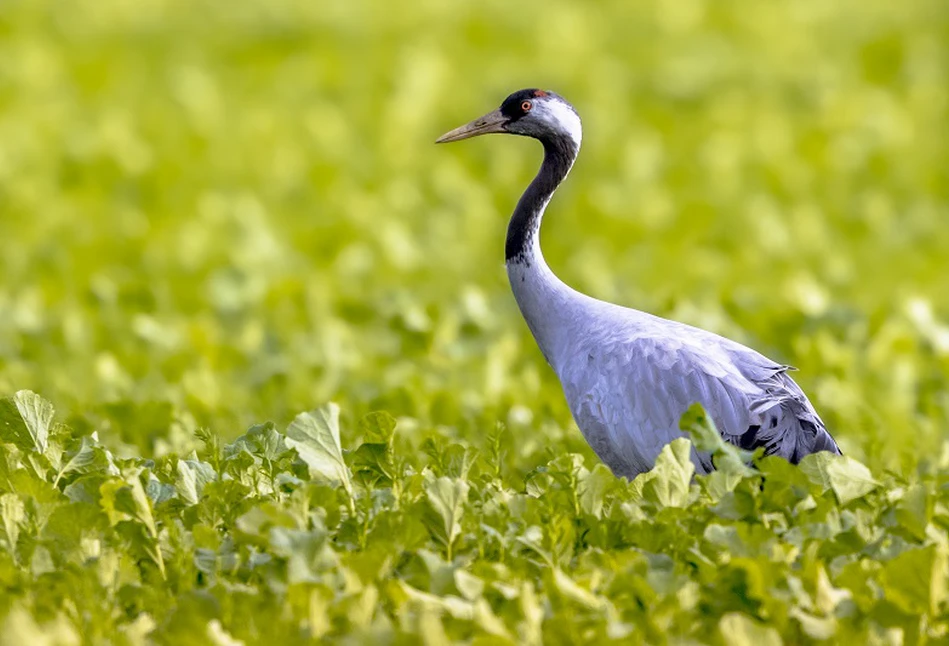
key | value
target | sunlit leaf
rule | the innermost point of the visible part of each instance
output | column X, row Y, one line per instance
column 592, row 488
column 847, row 478
column 575, row 593
column 193, row 475
column 89, row 457
column 446, row 497
column 124, row 499
column 315, row 436
column 25, row 420
column 740, row 630
column 668, row 482
column 12, row 515
column 37, row 414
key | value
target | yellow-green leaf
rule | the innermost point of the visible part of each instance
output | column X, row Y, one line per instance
column 315, row 436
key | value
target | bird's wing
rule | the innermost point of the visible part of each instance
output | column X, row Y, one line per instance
column 629, row 396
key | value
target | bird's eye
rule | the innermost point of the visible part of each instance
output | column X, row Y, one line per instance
column 526, row 106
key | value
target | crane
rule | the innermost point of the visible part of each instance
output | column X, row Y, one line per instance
column 628, row 375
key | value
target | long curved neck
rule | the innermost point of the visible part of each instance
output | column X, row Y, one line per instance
column 523, row 231
column 544, row 300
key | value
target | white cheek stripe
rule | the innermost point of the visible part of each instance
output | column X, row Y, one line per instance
column 567, row 119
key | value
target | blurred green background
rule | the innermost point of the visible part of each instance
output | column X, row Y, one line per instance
column 213, row 214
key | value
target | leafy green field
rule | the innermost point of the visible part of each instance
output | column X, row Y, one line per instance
column 217, row 214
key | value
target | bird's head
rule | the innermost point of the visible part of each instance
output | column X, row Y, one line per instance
column 529, row 113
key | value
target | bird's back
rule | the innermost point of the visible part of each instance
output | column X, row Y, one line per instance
column 629, row 376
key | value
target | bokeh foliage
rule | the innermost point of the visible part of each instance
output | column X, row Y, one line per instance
column 214, row 214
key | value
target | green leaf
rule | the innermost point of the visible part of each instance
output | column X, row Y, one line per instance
column 158, row 491
column 88, row 457
column 303, row 551
column 728, row 458
column 37, row 414
column 490, row 623
column 592, row 488
column 257, row 522
column 668, row 482
column 819, row 628
column 446, row 497
column 124, row 499
column 740, row 630
column 915, row 510
column 84, row 457
column 193, row 475
column 575, row 593
column 916, row 580
column 378, row 427
column 470, row 586
column 25, row 420
column 19, row 626
column 13, row 516
column 827, row 597
column 374, row 460
column 449, row 605
column 315, row 436
column 263, row 441
column 848, row 478
column 701, row 429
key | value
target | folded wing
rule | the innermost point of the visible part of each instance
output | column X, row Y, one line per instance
column 628, row 398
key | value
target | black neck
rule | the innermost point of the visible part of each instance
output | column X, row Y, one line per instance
column 559, row 155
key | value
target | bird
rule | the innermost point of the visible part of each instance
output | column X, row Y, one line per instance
column 628, row 375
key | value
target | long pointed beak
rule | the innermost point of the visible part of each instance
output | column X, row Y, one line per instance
column 491, row 122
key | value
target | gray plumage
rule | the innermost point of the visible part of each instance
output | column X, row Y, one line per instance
column 628, row 376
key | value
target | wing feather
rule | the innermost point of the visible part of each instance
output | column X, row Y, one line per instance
column 628, row 394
